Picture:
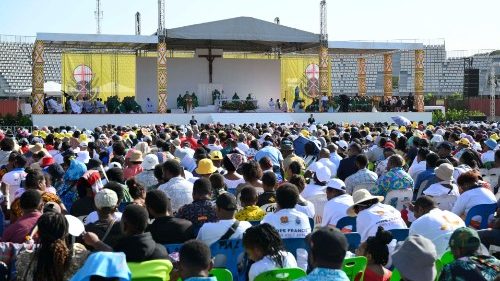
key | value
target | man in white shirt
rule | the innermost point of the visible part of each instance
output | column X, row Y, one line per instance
column 289, row 222
column 11, row 181
column 242, row 145
column 363, row 177
column 324, row 159
column 318, row 185
column 435, row 224
column 334, row 156
column 489, row 156
column 338, row 202
column 227, row 227
column 213, row 143
column 177, row 189
column 419, row 164
column 371, row 214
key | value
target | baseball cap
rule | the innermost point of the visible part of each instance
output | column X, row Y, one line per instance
column 323, row 173
column 342, row 144
column 286, row 145
column 327, row 241
column 465, row 237
column 337, row 184
column 105, row 198
column 226, row 201
column 464, row 141
column 215, row 155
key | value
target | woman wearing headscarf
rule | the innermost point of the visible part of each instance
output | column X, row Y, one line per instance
column 74, row 171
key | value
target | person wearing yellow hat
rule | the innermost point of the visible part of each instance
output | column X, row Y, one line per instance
column 205, row 168
column 495, row 137
column 216, row 157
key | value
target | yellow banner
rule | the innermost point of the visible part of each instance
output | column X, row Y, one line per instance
column 300, row 78
column 98, row 75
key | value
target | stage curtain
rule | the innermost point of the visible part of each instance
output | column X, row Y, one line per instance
column 104, row 74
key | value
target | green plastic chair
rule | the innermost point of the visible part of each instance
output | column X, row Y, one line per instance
column 396, row 276
column 354, row 266
column 282, row 274
column 447, row 258
column 221, row 274
column 154, row 270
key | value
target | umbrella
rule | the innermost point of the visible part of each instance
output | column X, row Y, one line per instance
column 401, row 121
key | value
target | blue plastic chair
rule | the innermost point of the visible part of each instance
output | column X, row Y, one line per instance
column 400, row 234
column 293, row 244
column 311, row 222
column 172, row 248
column 347, row 221
column 228, row 252
column 484, row 211
column 254, row 223
column 353, row 239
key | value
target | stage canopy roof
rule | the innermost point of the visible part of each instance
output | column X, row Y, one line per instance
column 241, row 34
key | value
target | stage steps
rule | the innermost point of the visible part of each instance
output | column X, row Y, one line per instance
column 248, row 117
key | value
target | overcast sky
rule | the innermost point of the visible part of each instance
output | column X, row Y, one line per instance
column 463, row 24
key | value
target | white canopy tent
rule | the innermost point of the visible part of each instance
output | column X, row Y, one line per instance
column 51, row 88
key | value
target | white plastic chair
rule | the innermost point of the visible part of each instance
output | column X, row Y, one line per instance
column 399, row 199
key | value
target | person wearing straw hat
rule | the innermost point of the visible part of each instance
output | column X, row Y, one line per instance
column 445, row 185
column 468, row 264
column 134, row 168
column 338, row 202
column 415, row 259
column 371, row 214
column 147, row 177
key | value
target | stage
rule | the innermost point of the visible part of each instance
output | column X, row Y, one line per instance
column 93, row 120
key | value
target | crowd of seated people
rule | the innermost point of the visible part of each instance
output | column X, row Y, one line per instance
column 71, row 195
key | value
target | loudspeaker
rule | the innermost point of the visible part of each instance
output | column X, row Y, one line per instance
column 471, row 82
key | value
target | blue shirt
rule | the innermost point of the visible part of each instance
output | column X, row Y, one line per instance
column 429, row 175
column 325, row 274
column 272, row 152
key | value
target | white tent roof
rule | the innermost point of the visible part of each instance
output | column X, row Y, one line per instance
column 51, row 88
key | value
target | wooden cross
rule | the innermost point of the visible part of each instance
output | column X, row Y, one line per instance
column 210, row 59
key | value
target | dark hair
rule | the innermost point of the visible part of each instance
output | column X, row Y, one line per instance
column 310, row 148
column 173, row 167
column 195, row 255
column 33, row 178
column 202, row 186
column 251, row 171
column 267, row 239
column 361, row 160
column 425, row 202
column 119, row 149
column 295, row 167
column 158, row 201
column 269, row 179
column 431, row 160
column 217, row 181
column 470, row 158
column 248, row 195
column 135, row 188
column 423, row 152
column 20, row 161
column 115, row 174
column 376, row 246
column 30, row 199
column 136, row 217
column 52, row 255
column 116, row 187
column 299, row 181
column 287, row 196
column 7, row 144
column 265, row 163
column 158, row 172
